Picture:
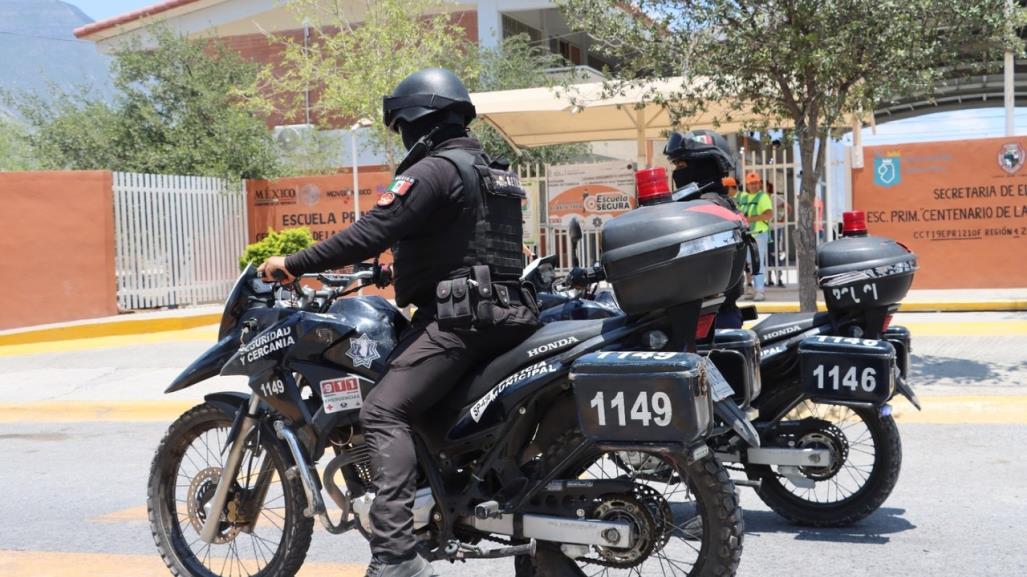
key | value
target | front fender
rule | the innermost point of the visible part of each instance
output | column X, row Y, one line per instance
column 208, row 365
column 228, row 402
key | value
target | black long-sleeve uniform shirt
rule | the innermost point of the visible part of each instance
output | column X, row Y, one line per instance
column 425, row 210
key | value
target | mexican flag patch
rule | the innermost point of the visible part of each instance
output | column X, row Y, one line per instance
column 401, row 185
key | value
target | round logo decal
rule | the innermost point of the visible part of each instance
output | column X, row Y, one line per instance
column 310, row 194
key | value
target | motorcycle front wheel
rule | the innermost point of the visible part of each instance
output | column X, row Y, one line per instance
column 867, row 455
column 262, row 531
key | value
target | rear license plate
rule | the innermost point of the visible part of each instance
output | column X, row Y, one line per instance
column 859, row 370
column 639, row 411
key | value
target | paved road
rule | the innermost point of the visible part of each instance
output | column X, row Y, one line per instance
column 79, row 422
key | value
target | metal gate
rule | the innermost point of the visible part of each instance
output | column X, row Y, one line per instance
column 177, row 238
column 781, row 175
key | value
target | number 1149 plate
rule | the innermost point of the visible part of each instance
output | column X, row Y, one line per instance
column 658, row 410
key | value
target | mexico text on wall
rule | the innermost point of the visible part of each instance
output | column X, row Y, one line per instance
column 324, row 204
column 961, row 206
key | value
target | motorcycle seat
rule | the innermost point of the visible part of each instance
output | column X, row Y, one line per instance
column 550, row 340
column 781, row 326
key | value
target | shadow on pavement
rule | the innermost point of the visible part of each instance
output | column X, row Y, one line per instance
column 873, row 530
column 927, row 369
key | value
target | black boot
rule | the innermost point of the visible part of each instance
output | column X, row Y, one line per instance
column 415, row 567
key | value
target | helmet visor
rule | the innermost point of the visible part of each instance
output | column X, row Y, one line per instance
column 393, row 106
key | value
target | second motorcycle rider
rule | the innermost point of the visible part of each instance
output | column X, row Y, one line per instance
column 703, row 157
column 455, row 229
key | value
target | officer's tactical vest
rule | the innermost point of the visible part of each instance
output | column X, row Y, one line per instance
column 495, row 197
column 487, row 232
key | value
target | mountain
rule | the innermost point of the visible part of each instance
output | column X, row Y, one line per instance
column 37, row 48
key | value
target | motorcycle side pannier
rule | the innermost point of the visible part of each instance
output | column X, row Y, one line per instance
column 858, row 273
column 847, row 370
column 669, row 254
column 899, row 338
column 640, row 397
column 736, row 353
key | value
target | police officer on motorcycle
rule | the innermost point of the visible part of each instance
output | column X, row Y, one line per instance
column 454, row 225
column 704, row 157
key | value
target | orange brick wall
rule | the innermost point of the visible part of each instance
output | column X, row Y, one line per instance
column 58, row 245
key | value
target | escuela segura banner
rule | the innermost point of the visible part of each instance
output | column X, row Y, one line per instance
column 961, row 206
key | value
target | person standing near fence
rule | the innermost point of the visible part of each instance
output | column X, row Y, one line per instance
column 778, row 252
column 755, row 204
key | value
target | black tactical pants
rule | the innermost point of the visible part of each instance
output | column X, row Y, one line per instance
column 425, row 365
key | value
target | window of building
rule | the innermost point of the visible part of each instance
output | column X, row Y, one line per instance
column 513, row 27
column 570, row 52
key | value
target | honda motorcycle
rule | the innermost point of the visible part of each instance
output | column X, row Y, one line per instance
column 584, row 446
column 829, row 451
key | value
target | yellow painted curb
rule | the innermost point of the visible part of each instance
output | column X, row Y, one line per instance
column 906, row 307
column 963, row 410
column 65, row 564
column 109, row 329
column 94, row 411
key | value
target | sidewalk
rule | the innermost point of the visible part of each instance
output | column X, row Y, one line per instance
column 779, row 300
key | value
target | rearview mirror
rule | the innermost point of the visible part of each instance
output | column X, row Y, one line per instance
column 575, row 234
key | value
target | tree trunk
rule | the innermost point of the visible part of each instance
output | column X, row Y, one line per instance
column 807, row 245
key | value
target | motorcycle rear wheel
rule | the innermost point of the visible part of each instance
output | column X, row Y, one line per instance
column 186, row 467
column 692, row 506
column 862, row 483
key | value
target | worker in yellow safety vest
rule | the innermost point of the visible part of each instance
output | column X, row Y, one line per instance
column 756, row 205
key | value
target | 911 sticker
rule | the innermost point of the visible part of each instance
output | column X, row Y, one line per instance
column 341, row 395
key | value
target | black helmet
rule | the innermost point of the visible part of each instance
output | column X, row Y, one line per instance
column 700, row 145
column 426, row 92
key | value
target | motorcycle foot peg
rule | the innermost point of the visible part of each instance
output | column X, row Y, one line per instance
column 527, row 549
column 754, row 483
column 487, row 510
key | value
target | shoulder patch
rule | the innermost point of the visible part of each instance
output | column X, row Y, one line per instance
column 401, row 185
column 386, row 198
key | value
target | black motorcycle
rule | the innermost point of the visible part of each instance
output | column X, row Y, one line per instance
column 817, row 385
column 585, row 444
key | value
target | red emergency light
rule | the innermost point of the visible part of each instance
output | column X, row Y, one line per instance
column 651, row 184
column 854, row 223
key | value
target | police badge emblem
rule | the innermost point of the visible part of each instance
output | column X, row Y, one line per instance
column 1011, row 157
column 363, row 351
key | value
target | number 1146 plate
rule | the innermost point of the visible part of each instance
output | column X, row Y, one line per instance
column 847, row 369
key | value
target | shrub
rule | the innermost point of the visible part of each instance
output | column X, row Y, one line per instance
column 281, row 243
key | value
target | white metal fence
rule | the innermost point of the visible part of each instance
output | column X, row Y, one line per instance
column 177, row 238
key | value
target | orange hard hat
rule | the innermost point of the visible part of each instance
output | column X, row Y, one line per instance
column 729, row 181
column 752, row 177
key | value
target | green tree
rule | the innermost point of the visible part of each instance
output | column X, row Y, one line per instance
column 517, row 63
column 803, row 64
column 174, row 112
column 355, row 54
column 70, row 132
column 15, row 152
